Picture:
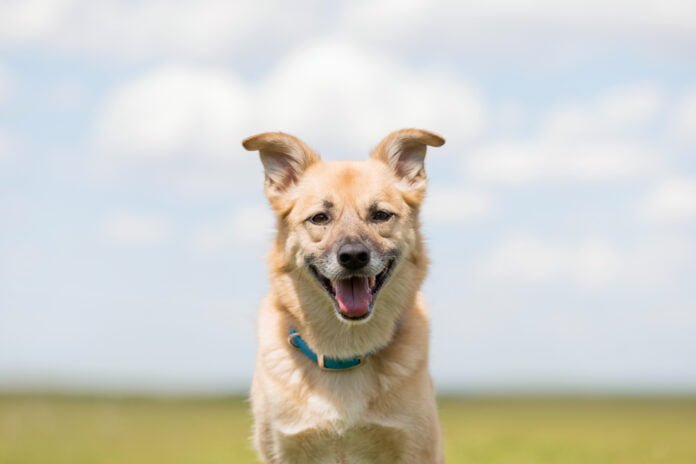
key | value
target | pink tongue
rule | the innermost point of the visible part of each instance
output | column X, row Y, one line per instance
column 353, row 296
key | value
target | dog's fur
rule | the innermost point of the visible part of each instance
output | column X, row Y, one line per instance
column 380, row 412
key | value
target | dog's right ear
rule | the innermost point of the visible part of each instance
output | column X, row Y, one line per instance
column 284, row 158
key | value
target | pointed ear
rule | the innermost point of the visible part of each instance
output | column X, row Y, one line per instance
column 404, row 152
column 284, row 158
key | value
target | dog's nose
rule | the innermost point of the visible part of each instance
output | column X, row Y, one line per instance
column 353, row 256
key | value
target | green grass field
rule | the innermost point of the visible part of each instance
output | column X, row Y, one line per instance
column 62, row 430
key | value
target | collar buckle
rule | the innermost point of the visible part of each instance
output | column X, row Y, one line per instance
column 321, row 362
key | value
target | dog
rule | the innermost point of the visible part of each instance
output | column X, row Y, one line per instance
column 342, row 365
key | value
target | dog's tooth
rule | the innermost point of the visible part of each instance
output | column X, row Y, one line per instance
column 371, row 281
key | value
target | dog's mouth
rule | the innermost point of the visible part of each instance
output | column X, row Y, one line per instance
column 355, row 295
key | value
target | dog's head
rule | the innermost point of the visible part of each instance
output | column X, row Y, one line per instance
column 349, row 227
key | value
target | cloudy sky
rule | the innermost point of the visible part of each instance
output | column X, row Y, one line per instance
column 561, row 216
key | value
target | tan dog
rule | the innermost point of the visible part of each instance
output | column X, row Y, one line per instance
column 352, row 386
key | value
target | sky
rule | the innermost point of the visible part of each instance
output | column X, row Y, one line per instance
column 560, row 218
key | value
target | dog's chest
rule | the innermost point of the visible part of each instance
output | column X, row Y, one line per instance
column 364, row 444
column 349, row 433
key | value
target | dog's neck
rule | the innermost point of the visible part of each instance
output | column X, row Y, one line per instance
column 341, row 340
column 401, row 354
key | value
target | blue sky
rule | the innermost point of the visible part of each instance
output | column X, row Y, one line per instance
column 561, row 215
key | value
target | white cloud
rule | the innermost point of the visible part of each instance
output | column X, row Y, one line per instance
column 5, row 85
column 540, row 160
column 330, row 94
column 610, row 114
column 587, row 263
column 249, row 226
column 451, row 205
column 156, row 28
column 593, row 140
column 658, row 261
column 684, row 125
column 349, row 98
column 671, row 317
column 8, row 147
column 22, row 20
column 138, row 229
column 671, row 200
column 520, row 259
column 527, row 29
column 216, row 28
column 631, row 105
column 174, row 111
column 179, row 126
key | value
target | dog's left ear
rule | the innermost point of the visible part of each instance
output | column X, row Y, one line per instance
column 404, row 152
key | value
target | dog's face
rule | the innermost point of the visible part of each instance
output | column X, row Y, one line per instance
column 350, row 227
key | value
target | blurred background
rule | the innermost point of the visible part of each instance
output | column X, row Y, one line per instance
column 561, row 217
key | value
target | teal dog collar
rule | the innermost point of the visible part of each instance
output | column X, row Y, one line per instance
column 324, row 362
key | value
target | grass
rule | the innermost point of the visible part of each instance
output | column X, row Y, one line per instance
column 78, row 430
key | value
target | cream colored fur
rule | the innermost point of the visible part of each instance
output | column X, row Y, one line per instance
column 383, row 411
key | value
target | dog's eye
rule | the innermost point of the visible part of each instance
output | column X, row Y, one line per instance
column 380, row 216
column 320, row 219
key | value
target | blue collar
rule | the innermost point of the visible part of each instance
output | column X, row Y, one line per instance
column 324, row 362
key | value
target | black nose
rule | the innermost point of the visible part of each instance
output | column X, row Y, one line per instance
column 353, row 255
